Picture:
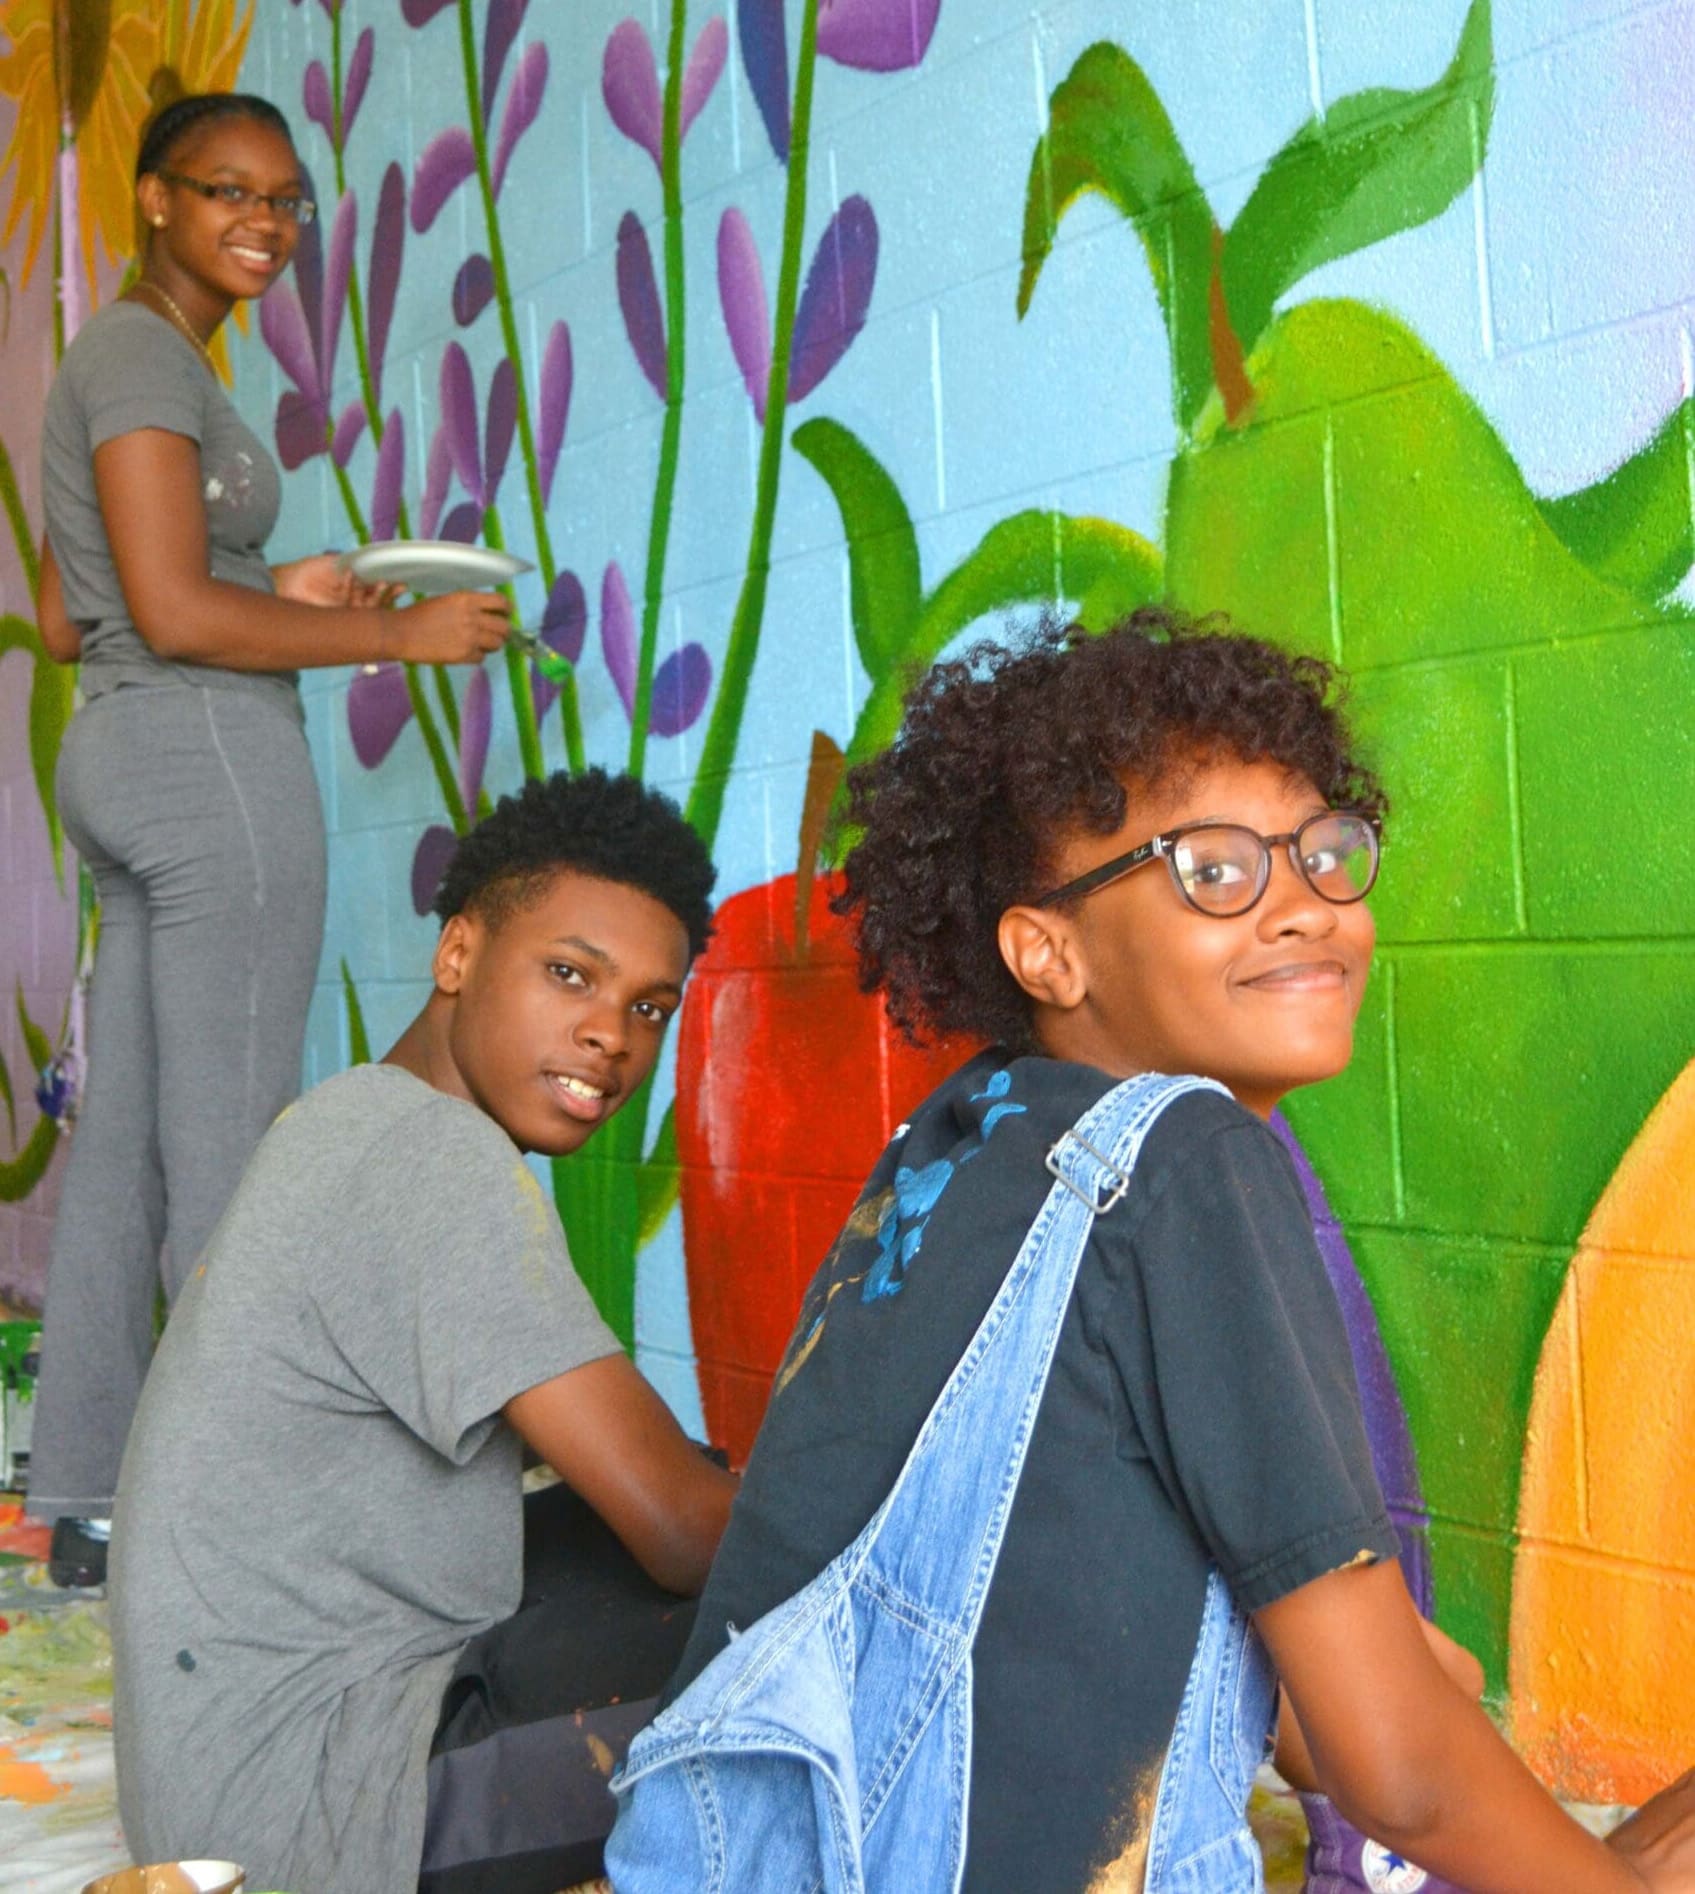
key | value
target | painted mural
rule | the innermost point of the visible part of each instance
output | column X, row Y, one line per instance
column 673, row 417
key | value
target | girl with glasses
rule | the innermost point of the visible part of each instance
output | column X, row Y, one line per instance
column 1110, row 858
column 184, row 779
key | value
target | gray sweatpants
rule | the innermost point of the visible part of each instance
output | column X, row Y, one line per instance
column 197, row 811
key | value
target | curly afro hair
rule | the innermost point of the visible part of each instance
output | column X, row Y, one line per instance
column 1014, row 748
column 612, row 827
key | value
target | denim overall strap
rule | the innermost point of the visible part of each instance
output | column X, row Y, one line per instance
column 993, row 1395
column 828, row 1745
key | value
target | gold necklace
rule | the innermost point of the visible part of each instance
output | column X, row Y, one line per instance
column 182, row 322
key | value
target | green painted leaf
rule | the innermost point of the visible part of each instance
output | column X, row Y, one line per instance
column 1634, row 527
column 21, row 1174
column 885, row 586
column 656, row 1186
column 1100, row 569
column 22, row 537
column 1108, row 132
column 11, row 1103
column 358, row 1040
column 36, row 1043
column 52, row 698
column 1378, row 162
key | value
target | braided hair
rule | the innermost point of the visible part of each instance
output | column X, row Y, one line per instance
column 171, row 123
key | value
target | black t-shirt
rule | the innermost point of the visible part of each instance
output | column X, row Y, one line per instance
column 1202, row 1410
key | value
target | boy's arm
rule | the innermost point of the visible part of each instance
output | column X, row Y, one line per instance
column 1408, row 1759
column 605, row 1432
column 61, row 638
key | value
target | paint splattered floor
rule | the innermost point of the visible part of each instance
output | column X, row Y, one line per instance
column 58, row 1802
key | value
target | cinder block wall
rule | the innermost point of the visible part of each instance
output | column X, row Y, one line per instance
column 1429, row 422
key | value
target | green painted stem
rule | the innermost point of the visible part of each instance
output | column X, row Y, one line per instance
column 517, row 669
column 28, row 558
column 706, row 798
column 665, row 482
column 446, row 781
column 568, row 707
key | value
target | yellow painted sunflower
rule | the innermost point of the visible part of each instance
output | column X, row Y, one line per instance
column 202, row 42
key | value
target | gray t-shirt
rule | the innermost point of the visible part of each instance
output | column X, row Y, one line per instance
column 320, row 1502
column 129, row 369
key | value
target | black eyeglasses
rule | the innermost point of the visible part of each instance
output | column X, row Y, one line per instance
column 294, row 210
column 1223, row 868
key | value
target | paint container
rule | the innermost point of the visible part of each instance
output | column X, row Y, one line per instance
column 173, row 1877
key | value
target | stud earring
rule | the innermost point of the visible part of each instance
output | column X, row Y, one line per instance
column 158, row 223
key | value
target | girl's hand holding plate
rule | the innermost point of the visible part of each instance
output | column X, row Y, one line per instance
column 326, row 579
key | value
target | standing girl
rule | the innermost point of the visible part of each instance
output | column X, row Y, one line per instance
column 184, row 780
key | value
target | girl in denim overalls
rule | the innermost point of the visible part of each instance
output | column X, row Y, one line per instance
column 1065, row 1468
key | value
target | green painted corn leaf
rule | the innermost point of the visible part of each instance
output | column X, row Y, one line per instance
column 11, row 1102
column 1108, row 132
column 656, row 1184
column 1634, row 527
column 36, row 1043
column 22, row 537
column 1378, row 162
column 20, row 1175
column 885, row 586
column 358, row 1040
column 1100, row 569
column 52, row 698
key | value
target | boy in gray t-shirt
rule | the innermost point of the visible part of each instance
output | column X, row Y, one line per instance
column 322, row 1569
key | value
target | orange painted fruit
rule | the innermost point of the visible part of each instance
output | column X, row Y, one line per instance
column 1602, row 1668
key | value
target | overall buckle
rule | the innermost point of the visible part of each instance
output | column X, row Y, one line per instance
column 1119, row 1180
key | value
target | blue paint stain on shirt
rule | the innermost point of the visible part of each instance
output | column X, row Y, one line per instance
column 900, row 1233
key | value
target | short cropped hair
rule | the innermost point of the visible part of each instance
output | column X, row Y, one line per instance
column 614, row 828
column 172, row 123
column 1023, row 744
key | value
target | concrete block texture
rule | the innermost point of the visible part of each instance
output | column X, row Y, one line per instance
column 1374, row 324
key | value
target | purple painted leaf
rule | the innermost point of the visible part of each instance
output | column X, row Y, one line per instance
column 876, row 35
column 765, row 57
column 438, row 475
column 618, row 634
column 565, row 621
column 473, row 289
column 358, row 78
column 299, row 429
column 348, row 428
column 555, row 405
column 389, row 479
column 505, row 17
column 315, row 96
column 378, row 705
column 523, row 102
column 331, row 8
column 706, row 62
column 459, row 417
column 343, row 235
column 837, row 296
column 282, row 322
column 501, row 419
column 629, row 83
column 449, row 159
column 564, row 625
column 638, row 298
column 429, row 863
column 476, row 716
column 680, row 689
column 741, row 295
column 464, row 523
column 388, row 242
column 309, row 279
column 421, row 12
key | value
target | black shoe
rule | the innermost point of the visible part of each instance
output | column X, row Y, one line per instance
column 76, row 1558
